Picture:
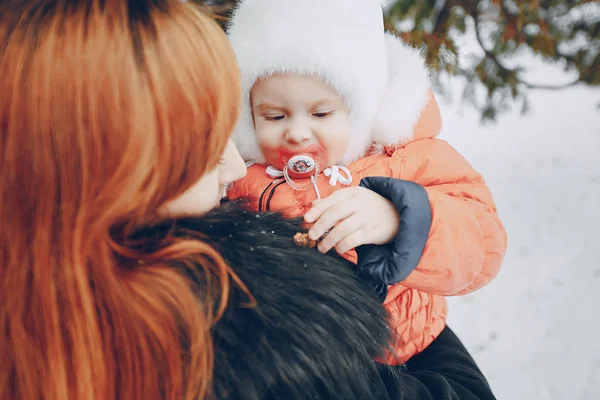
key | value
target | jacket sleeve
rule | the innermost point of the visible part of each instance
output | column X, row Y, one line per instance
column 444, row 370
column 450, row 240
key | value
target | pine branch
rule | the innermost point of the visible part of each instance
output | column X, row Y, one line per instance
column 440, row 25
column 550, row 87
column 509, row 71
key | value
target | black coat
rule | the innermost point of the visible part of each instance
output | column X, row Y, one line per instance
column 316, row 328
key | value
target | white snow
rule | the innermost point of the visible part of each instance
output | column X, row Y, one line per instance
column 534, row 329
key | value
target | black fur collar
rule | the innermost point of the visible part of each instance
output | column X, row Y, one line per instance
column 317, row 326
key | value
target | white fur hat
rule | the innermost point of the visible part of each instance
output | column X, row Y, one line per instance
column 343, row 43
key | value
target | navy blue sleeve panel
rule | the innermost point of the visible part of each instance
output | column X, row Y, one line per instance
column 392, row 263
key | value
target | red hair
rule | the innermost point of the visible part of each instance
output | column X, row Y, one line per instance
column 109, row 109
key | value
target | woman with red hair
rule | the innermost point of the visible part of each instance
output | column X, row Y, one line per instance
column 117, row 281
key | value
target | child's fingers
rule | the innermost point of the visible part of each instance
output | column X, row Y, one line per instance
column 319, row 206
column 354, row 239
column 330, row 218
column 339, row 233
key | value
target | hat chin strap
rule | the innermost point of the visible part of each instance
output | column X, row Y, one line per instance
column 334, row 175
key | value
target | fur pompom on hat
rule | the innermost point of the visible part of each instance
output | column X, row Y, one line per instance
column 383, row 82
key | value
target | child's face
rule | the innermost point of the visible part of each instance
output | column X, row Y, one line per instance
column 293, row 112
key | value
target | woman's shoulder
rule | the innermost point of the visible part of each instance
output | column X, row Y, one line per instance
column 314, row 324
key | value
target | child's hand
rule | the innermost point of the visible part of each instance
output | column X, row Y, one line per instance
column 353, row 216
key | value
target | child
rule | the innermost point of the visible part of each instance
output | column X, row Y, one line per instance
column 340, row 124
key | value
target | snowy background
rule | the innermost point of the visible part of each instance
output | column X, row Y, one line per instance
column 534, row 330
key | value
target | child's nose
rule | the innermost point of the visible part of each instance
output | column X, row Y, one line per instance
column 298, row 132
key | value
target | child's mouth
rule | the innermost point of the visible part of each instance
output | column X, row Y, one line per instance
column 303, row 163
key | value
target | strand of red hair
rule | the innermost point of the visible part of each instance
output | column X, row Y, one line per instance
column 109, row 109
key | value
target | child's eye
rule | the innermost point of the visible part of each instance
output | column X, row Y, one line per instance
column 323, row 114
column 273, row 117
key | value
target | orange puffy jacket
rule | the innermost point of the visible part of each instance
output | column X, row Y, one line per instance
column 465, row 245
